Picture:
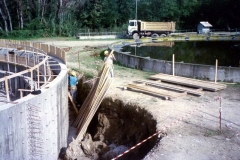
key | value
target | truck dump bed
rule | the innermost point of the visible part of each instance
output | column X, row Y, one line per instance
column 158, row 26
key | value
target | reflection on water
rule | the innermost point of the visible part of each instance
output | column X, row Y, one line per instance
column 199, row 52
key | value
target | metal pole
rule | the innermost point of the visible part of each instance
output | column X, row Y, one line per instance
column 38, row 76
column 216, row 71
column 220, row 115
column 8, row 59
column 31, row 81
column 135, row 48
column 15, row 71
column 136, row 9
column 79, row 61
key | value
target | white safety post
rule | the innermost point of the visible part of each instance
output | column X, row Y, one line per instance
column 79, row 60
column 216, row 71
column 8, row 59
column 45, row 72
column 31, row 81
column 15, row 71
column 173, row 65
column 38, row 76
column 34, row 59
column 220, row 115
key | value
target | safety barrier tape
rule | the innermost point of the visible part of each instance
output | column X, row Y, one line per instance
column 165, row 127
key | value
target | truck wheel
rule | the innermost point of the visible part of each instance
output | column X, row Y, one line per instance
column 155, row 35
column 135, row 36
column 163, row 35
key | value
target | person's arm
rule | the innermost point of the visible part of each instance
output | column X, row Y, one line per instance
column 112, row 55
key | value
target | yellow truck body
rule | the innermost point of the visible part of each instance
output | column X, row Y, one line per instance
column 142, row 28
column 158, row 26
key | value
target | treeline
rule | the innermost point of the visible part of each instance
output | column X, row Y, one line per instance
column 46, row 18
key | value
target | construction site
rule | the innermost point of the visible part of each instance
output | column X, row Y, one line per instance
column 148, row 110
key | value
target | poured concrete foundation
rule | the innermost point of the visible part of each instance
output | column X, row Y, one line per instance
column 33, row 125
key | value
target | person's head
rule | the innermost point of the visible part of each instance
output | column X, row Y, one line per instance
column 106, row 53
column 73, row 73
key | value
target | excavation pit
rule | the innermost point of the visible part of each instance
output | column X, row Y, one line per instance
column 121, row 126
column 115, row 128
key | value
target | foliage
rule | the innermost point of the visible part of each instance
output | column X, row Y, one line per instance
column 64, row 17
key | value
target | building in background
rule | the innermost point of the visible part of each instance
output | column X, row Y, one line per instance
column 203, row 27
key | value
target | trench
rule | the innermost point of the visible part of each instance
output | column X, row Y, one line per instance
column 117, row 126
column 122, row 126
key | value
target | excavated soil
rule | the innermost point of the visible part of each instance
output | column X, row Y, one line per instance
column 190, row 124
column 115, row 127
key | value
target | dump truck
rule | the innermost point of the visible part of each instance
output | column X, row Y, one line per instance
column 150, row 29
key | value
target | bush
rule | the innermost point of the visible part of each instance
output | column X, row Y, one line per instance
column 23, row 34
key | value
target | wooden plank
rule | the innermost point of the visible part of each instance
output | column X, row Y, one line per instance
column 150, row 90
column 93, row 100
column 208, row 83
column 197, row 92
column 144, row 91
column 27, row 90
column 53, row 65
column 57, row 69
column 178, row 78
column 74, row 105
column 189, row 82
column 48, row 75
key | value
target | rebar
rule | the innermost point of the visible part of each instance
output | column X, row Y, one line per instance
column 35, row 142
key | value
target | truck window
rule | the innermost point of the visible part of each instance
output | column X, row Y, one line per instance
column 131, row 23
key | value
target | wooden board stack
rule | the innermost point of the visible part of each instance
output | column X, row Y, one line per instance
column 194, row 83
column 93, row 100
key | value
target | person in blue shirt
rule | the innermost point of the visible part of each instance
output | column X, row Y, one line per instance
column 73, row 88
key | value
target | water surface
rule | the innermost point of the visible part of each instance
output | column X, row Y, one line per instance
column 200, row 52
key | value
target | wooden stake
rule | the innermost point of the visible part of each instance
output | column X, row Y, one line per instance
column 74, row 105
column 173, row 65
column 6, row 88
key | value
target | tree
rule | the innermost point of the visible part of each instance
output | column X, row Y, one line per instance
column 4, row 20
column 125, row 11
column 19, row 13
column 109, row 13
column 5, row 16
column 90, row 15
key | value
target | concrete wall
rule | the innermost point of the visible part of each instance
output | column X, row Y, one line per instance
column 99, row 37
column 226, row 74
column 36, row 127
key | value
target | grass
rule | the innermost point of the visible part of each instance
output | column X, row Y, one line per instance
column 233, row 84
column 90, row 65
column 210, row 133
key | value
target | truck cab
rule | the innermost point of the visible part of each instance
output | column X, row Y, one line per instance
column 133, row 26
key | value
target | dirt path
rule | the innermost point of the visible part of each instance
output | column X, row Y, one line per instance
column 192, row 123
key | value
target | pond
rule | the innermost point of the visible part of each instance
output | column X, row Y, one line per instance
column 199, row 52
